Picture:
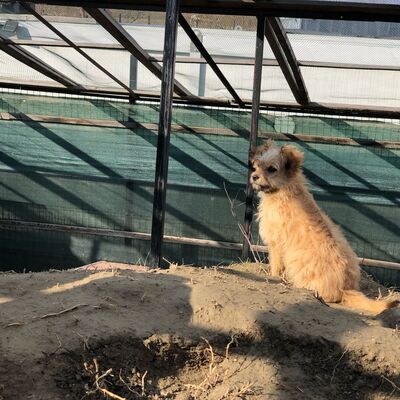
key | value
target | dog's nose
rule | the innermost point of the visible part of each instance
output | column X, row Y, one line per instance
column 255, row 177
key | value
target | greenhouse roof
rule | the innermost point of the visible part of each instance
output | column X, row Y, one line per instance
column 308, row 63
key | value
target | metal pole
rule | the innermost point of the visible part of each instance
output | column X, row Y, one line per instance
column 164, row 128
column 202, row 79
column 133, row 75
column 255, row 111
column 133, row 70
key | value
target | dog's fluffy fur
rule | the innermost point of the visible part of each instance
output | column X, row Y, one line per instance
column 304, row 244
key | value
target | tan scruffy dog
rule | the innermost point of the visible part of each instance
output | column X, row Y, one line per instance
column 304, row 244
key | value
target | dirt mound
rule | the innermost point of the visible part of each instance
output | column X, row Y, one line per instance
column 187, row 333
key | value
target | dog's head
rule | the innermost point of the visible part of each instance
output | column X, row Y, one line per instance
column 274, row 167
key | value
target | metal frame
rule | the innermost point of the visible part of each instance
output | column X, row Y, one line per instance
column 130, row 44
column 284, row 53
column 321, row 9
column 164, row 131
column 132, row 94
column 257, row 77
column 203, row 51
column 281, row 49
column 32, row 61
column 268, row 25
column 222, row 60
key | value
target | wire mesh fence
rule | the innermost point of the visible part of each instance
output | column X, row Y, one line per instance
column 85, row 166
column 86, row 173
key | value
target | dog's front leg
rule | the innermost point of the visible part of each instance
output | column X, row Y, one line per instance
column 275, row 259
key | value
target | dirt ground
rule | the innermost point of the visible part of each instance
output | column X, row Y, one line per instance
column 188, row 333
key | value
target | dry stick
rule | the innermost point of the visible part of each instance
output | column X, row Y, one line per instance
column 211, row 366
column 85, row 341
column 104, row 390
column 206, row 380
column 395, row 387
column 128, row 386
column 233, row 340
column 246, row 389
column 232, row 204
column 230, row 201
column 337, row 364
column 14, row 324
column 248, row 241
column 144, row 376
column 58, row 348
column 63, row 311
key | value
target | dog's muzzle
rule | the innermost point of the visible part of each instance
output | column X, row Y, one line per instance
column 258, row 188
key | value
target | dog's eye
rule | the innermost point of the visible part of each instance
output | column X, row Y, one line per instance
column 271, row 169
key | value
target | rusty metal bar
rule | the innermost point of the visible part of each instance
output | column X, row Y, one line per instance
column 164, row 131
column 283, row 63
column 255, row 111
column 130, row 44
column 206, row 55
column 32, row 61
column 317, row 9
column 287, row 49
column 79, row 50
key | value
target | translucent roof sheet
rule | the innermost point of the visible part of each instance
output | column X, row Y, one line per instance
column 339, row 65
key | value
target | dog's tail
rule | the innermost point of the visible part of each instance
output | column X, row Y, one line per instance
column 356, row 299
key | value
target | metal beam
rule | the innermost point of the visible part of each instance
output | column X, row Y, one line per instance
column 358, row 10
column 79, row 50
column 283, row 63
column 206, row 55
column 32, row 61
column 130, row 44
column 255, row 111
column 164, row 130
column 223, row 60
column 287, row 49
column 312, row 108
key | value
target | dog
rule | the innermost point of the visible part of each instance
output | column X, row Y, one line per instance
column 304, row 244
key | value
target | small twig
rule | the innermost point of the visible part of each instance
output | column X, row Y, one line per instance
column 206, row 382
column 105, row 391
column 246, row 389
column 395, row 387
column 320, row 299
column 58, row 348
column 85, row 341
column 210, row 349
column 233, row 340
column 108, row 372
column 232, row 203
column 256, row 257
column 128, row 386
column 337, row 364
column 63, row 311
column 111, row 394
column 143, row 377
column 14, row 324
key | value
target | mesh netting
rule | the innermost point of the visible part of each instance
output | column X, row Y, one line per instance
column 93, row 176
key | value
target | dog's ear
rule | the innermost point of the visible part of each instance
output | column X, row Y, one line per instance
column 292, row 158
column 262, row 148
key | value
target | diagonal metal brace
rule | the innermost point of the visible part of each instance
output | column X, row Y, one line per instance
column 24, row 56
column 284, row 41
column 130, row 44
column 282, row 50
column 78, row 49
column 206, row 55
